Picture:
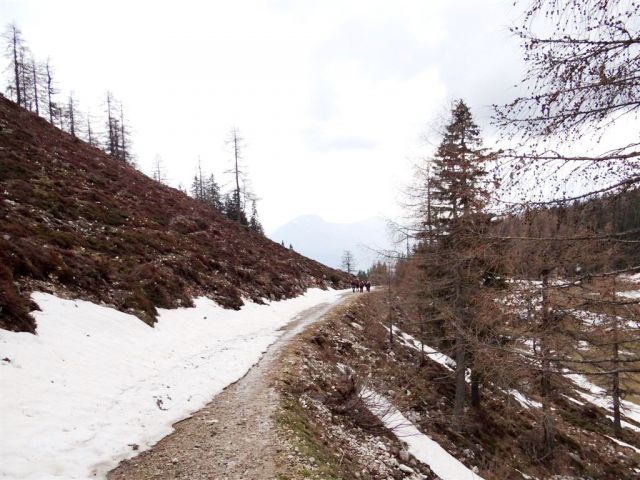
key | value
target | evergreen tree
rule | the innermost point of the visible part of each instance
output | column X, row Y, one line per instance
column 453, row 260
column 254, row 223
column 211, row 193
column 196, row 188
column 457, row 186
column 71, row 115
column 232, row 210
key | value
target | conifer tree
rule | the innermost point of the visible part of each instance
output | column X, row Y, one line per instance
column 212, row 193
column 348, row 262
column 70, row 113
column 15, row 45
column 458, row 188
column 52, row 108
column 452, row 260
column 198, row 190
column 231, row 209
column 254, row 222
column 236, row 143
column 35, row 84
column 158, row 171
column 90, row 135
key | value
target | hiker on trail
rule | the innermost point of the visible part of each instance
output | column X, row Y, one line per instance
column 354, row 285
column 368, row 285
column 361, row 285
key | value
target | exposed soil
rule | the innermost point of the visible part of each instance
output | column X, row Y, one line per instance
column 234, row 436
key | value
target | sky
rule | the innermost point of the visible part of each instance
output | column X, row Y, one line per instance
column 333, row 98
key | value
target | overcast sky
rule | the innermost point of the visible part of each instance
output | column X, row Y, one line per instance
column 332, row 97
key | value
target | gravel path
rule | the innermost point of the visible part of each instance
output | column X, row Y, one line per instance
column 233, row 437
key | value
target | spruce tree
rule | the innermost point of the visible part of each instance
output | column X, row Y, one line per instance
column 254, row 222
column 212, row 193
column 453, row 260
column 458, row 186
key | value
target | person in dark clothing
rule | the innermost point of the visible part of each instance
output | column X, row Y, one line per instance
column 361, row 285
column 368, row 285
column 354, row 285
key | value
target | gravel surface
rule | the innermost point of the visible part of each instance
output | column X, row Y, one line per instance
column 234, row 436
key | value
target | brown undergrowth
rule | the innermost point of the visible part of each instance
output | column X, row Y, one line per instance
column 499, row 438
column 77, row 222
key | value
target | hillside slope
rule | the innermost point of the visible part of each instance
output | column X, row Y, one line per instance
column 77, row 222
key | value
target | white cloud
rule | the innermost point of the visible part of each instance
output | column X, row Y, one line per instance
column 331, row 96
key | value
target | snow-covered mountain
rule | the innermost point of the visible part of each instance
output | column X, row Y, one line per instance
column 325, row 242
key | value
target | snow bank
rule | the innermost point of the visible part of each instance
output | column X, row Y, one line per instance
column 449, row 363
column 423, row 448
column 412, row 342
column 95, row 383
column 623, row 444
column 631, row 294
column 599, row 397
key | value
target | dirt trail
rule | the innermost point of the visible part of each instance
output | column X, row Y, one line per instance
column 233, row 437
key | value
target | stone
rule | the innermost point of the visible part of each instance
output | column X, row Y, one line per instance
column 404, row 455
column 405, row 469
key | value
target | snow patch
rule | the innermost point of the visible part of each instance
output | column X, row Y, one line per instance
column 623, row 444
column 598, row 396
column 422, row 447
column 450, row 364
column 95, row 381
column 412, row 342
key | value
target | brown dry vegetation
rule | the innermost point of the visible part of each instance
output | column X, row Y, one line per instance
column 77, row 222
column 499, row 438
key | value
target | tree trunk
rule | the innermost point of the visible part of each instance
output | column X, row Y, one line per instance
column 72, row 117
column 50, row 93
column 390, row 313
column 35, row 86
column 461, row 384
column 615, row 392
column 237, row 172
column 548, row 426
column 16, row 64
column 123, row 140
column 475, row 388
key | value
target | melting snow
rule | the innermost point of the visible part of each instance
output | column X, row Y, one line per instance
column 423, row 448
column 598, row 396
column 450, row 364
column 412, row 342
column 95, row 382
column 623, row 444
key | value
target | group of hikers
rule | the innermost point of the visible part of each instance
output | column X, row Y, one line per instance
column 360, row 285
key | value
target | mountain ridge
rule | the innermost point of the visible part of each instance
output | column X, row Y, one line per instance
column 326, row 241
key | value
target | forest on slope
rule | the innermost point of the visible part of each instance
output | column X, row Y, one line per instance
column 523, row 280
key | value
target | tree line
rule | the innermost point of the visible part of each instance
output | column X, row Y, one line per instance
column 238, row 203
column 32, row 85
column 486, row 277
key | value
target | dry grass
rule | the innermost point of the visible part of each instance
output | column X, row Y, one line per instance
column 80, row 223
column 501, row 437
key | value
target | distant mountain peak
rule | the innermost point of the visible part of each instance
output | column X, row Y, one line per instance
column 325, row 241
